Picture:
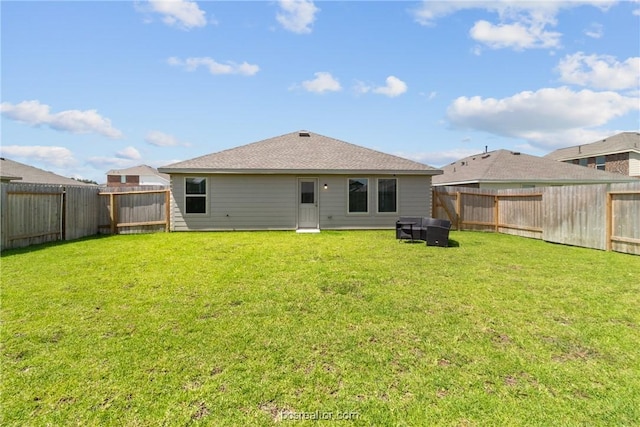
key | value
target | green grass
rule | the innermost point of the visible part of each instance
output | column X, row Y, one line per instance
column 241, row 328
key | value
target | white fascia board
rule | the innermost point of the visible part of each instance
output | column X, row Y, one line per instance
column 297, row 172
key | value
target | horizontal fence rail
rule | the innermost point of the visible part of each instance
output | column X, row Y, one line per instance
column 135, row 211
column 40, row 213
column 601, row 216
column 621, row 233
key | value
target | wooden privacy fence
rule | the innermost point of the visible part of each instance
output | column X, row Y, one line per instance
column 602, row 216
column 40, row 213
column 135, row 210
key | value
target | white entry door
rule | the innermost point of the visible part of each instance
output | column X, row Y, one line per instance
column 307, row 203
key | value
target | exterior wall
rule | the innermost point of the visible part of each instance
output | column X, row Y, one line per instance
column 634, row 164
column 414, row 199
column 153, row 180
column 622, row 163
column 238, row 202
column 617, row 163
column 270, row 202
column 115, row 181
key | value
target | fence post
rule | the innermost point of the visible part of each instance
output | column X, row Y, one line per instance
column 113, row 217
column 609, row 220
column 63, row 214
column 167, row 209
column 496, row 212
column 458, row 211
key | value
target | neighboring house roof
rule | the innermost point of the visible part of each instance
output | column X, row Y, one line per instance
column 620, row 143
column 503, row 166
column 13, row 170
column 141, row 170
column 300, row 151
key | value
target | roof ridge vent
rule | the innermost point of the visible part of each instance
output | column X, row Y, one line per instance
column 304, row 133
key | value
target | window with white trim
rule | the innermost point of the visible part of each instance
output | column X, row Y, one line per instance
column 195, row 195
column 387, row 195
column 358, row 195
column 600, row 163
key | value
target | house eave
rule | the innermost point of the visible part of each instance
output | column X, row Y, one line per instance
column 450, row 183
column 207, row 171
column 578, row 156
column 537, row 181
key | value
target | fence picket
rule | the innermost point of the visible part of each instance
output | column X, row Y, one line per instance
column 39, row 213
column 603, row 216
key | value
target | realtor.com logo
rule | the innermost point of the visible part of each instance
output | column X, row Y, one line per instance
column 319, row 416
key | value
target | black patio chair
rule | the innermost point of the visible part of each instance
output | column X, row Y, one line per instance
column 436, row 231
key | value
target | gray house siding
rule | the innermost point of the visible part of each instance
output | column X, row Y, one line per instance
column 238, row 202
column 414, row 199
column 270, row 202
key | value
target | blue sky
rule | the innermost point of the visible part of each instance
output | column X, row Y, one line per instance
column 92, row 86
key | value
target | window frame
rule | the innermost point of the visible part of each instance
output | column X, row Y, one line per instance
column 601, row 165
column 395, row 212
column 349, row 196
column 198, row 195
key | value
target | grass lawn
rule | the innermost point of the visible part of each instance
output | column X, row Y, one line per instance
column 258, row 328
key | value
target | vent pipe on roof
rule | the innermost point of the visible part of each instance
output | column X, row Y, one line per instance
column 486, row 148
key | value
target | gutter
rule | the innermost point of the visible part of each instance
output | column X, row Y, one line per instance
column 209, row 171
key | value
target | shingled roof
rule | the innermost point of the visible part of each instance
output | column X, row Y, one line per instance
column 504, row 166
column 300, row 152
column 11, row 170
column 620, row 143
column 140, row 170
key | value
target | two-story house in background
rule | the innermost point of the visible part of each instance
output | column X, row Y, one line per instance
column 618, row 154
column 136, row 176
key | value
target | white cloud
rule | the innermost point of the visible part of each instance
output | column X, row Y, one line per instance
column 30, row 112
column 160, row 139
column 75, row 121
column 545, row 117
column 600, row 71
column 215, row 68
column 361, row 88
column 521, row 24
column 394, row 87
column 184, row 14
column 129, row 153
column 297, row 15
column 595, row 31
column 54, row 156
column 517, row 36
column 324, row 82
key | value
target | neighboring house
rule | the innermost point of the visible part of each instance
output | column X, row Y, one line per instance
column 299, row 180
column 12, row 171
column 619, row 153
column 506, row 169
column 136, row 176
